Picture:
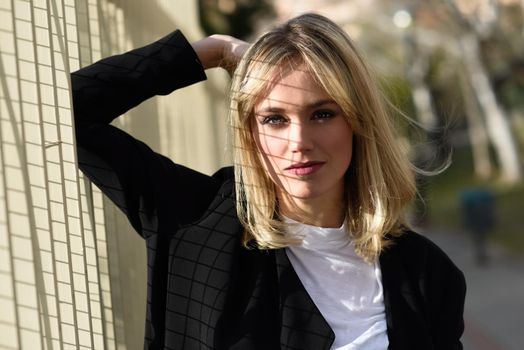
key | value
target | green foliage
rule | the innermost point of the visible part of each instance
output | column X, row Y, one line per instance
column 510, row 87
column 398, row 91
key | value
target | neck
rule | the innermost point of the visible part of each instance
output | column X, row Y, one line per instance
column 314, row 211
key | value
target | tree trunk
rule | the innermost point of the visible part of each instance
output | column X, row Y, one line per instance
column 476, row 130
column 496, row 120
column 416, row 70
column 422, row 99
column 522, row 10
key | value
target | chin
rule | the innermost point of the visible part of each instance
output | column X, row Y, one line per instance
column 301, row 193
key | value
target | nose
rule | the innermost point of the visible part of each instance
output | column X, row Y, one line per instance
column 300, row 137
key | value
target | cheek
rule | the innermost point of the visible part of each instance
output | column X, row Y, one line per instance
column 263, row 148
column 267, row 155
column 268, row 144
column 341, row 144
column 349, row 149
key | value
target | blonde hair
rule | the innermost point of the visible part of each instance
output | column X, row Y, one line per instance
column 380, row 181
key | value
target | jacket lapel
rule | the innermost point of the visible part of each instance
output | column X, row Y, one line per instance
column 403, row 303
column 303, row 326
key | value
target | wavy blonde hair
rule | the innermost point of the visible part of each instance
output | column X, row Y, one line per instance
column 380, row 181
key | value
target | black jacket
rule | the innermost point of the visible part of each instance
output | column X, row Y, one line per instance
column 205, row 291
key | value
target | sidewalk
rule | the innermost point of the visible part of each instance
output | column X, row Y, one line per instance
column 494, row 312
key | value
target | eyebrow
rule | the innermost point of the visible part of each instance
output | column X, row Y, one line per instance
column 313, row 105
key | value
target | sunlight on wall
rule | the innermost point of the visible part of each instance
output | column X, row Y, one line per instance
column 72, row 272
column 55, row 289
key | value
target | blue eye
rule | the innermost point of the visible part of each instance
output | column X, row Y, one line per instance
column 272, row 120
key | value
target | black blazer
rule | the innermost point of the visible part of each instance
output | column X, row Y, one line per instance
column 205, row 291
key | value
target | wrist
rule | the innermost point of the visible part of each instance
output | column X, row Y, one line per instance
column 210, row 51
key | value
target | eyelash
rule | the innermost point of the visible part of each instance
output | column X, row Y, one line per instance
column 276, row 120
column 325, row 114
column 272, row 120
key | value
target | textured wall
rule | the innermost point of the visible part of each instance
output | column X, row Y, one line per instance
column 71, row 269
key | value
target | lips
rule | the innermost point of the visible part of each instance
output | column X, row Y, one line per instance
column 305, row 168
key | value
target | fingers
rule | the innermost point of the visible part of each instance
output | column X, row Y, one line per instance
column 222, row 51
column 233, row 53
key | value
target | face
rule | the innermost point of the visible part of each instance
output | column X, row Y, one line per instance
column 304, row 139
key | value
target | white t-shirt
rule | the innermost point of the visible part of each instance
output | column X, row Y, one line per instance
column 346, row 290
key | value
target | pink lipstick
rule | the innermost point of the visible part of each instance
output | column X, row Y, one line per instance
column 304, row 169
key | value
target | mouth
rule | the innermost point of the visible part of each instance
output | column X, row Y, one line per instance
column 305, row 168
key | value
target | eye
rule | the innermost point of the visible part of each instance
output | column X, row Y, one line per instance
column 323, row 115
column 273, row 120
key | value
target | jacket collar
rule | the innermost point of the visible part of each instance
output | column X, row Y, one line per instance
column 303, row 326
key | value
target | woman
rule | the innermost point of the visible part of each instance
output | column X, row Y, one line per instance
column 305, row 245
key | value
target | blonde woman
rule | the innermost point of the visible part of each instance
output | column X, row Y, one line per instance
column 302, row 244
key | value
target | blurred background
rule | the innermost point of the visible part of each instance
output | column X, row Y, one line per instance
column 72, row 272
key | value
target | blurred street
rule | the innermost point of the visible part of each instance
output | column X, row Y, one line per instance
column 495, row 296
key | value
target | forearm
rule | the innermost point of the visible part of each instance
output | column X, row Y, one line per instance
column 210, row 51
column 138, row 180
column 110, row 87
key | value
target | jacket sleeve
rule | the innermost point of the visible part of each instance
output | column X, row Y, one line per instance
column 148, row 187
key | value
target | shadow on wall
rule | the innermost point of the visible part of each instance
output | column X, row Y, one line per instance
column 53, row 262
column 188, row 126
column 61, row 280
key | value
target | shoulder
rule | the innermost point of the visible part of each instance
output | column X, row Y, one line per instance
column 414, row 246
column 419, row 278
column 421, row 257
column 226, row 176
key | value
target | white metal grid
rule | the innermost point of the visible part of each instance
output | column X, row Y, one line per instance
column 55, row 290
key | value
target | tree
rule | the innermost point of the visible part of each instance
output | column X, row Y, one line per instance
column 234, row 17
column 496, row 119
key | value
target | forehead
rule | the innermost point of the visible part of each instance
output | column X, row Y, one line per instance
column 292, row 88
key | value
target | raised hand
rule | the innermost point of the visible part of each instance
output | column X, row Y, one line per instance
column 220, row 50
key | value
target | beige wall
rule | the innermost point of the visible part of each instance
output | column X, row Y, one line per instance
column 72, row 273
